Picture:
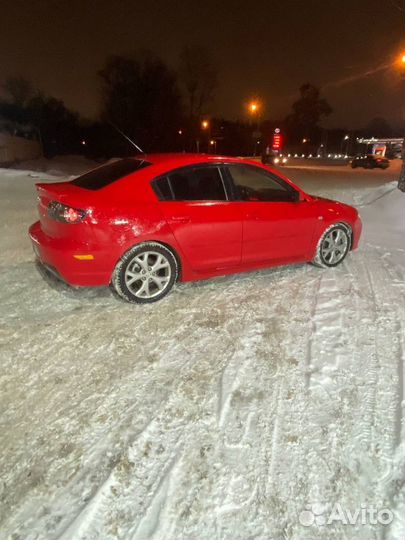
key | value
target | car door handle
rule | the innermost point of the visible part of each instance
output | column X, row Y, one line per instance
column 180, row 219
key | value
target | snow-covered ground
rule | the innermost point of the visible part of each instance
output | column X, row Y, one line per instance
column 222, row 411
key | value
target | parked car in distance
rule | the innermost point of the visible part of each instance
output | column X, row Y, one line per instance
column 370, row 161
column 278, row 160
column 141, row 224
column 274, row 160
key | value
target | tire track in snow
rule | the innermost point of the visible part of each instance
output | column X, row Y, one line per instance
column 389, row 320
column 367, row 353
column 141, row 496
column 230, row 375
column 130, row 411
column 327, row 328
column 309, row 354
column 335, row 344
column 101, row 503
column 388, row 288
column 276, row 416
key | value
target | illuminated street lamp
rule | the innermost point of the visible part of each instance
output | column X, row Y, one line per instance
column 253, row 107
column 206, row 126
column 304, row 141
column 345, row 138
column 181, row 138
column 254, row 110
column 402, row 65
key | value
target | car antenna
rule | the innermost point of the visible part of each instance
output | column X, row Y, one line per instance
column 127, row 138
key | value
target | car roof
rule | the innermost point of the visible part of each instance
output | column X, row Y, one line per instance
column 183, row 158
column 162, row 164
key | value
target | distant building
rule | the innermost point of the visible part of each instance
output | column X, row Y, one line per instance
column 391, row 148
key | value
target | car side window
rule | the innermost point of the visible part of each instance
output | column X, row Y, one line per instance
column 192, row 184
column 163, row 189
column 254, row 184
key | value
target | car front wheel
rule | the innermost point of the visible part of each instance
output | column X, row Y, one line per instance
column 333, row 246
column 146, row 273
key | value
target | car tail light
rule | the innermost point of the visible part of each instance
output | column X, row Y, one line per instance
column 65, row 214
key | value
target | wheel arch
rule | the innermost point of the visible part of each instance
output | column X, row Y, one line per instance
column 175, row 253
column 329, row 226
column 171, row 248
column 349, row 229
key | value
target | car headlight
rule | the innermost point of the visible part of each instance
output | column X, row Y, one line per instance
column 284, row 160
column 276, row 160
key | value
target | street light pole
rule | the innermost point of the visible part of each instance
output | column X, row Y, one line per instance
column 304, row 141
column 254, row 110
column 345, row 138
column 206, row 126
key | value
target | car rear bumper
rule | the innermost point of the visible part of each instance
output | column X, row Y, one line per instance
column 75, row 263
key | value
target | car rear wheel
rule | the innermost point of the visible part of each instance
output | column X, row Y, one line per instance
column 333, row 246
column 145, row 274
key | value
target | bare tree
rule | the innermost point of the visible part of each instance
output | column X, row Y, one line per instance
column 19, row 90
column 199, row 78
column 308, row 110
column 141, row 97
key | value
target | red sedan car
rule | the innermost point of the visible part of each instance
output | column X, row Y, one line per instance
column 141, row 224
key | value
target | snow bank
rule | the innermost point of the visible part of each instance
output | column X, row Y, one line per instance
column 58, row 166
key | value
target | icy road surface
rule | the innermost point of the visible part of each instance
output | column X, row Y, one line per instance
column 218, row 413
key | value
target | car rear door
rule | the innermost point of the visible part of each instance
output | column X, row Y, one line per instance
column 277, row 225
column 206, row 224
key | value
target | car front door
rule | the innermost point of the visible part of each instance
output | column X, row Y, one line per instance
column 206, row 224
column 277, row 225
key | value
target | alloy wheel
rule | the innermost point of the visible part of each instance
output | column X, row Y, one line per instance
column 334, row 246
column 148, row 274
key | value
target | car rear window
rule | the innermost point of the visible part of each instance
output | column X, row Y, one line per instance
column 107, row 174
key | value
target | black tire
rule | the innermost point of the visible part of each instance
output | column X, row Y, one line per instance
column 118, row 280
column 319, row 259
column 354, row 165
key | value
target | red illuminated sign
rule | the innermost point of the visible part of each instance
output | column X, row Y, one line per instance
column 277, row 140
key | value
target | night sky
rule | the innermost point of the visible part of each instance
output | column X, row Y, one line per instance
column 262, row 48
